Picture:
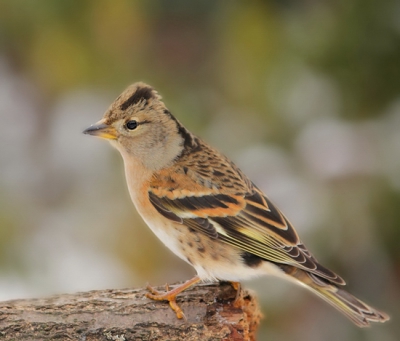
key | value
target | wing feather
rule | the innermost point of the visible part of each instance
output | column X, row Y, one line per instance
column 248, row 221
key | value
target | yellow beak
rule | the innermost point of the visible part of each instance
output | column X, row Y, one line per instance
column 100, row 129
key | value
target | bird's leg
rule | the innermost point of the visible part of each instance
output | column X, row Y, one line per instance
column 238, row 302
column 170, row 295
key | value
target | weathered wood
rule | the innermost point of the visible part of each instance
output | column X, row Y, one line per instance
column 123, row 315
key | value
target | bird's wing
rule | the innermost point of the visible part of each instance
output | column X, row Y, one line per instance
column 248, row 221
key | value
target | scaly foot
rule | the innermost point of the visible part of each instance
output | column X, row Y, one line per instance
column 170, row 295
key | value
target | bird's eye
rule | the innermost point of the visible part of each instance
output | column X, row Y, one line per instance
column 131, row 125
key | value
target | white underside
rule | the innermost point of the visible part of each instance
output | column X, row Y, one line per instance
column 220, row 270
column 237, row 273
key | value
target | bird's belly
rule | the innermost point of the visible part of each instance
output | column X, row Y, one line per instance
column 168, row 234
column 212, row 258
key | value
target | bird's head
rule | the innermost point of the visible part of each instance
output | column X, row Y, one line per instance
column 140, row 126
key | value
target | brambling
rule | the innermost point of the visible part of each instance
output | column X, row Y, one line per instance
column 203, row 208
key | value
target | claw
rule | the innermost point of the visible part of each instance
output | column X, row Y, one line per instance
column 170, row 295
column 152, row 290
column 238, row 302
column 178, row 311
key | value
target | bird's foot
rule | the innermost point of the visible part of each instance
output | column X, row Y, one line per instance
column 239, row 301
column 170, row 295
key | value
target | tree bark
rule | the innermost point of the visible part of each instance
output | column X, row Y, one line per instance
column 122, row 315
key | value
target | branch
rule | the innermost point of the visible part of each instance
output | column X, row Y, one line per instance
column 122, row 315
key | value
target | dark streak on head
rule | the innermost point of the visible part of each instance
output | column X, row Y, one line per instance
column 190, row 142
column 141, row 93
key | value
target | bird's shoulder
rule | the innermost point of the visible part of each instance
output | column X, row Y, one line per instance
column 200, row 170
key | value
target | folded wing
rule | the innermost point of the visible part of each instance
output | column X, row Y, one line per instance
column 247, row 221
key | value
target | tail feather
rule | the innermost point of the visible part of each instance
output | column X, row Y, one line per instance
column 357, row 311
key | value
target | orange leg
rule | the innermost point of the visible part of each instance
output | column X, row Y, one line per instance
column 170, row 295
column 238, row 303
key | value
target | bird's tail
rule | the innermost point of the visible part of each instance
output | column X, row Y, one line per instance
column 357, row 311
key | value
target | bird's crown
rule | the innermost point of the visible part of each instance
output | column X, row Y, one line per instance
column 138, row 95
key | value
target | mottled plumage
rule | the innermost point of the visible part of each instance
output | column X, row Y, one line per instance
column 205, row 209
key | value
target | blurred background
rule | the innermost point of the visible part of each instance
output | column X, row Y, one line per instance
column 303, row 95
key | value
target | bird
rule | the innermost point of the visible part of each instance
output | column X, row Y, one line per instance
column 206, row 210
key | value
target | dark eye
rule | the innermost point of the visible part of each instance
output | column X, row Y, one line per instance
column 131, row 125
